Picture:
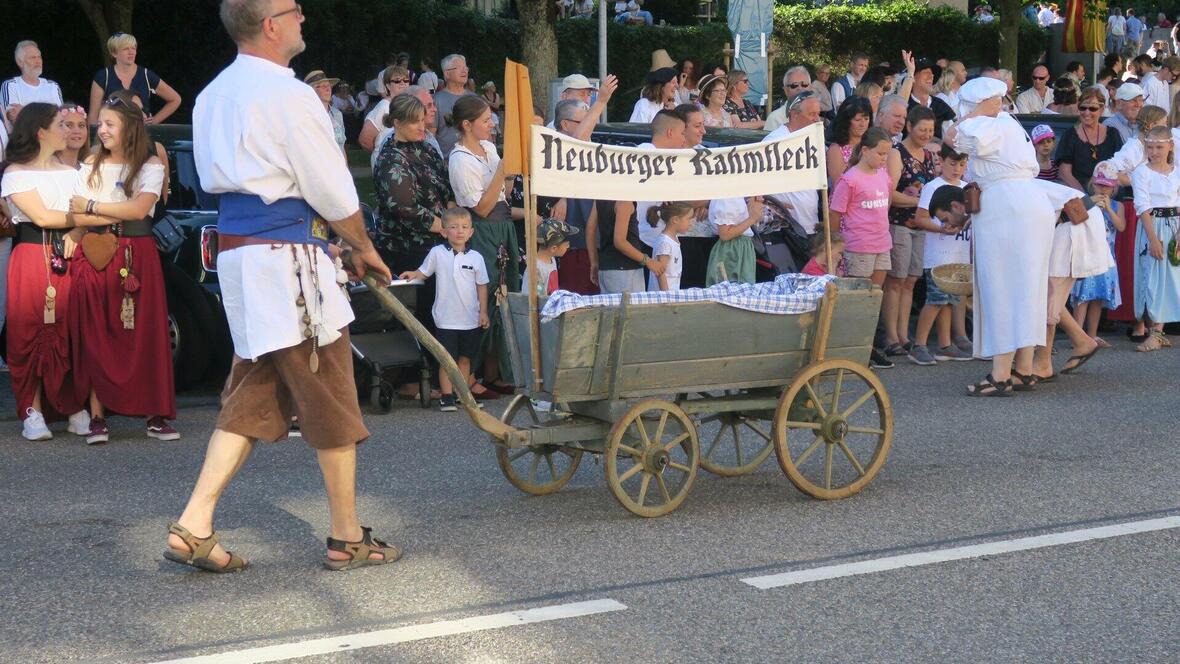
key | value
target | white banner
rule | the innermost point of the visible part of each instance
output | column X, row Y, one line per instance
column 562, row 166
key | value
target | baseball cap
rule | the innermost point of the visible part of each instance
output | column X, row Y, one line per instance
column 1042, row 132
column 1105, row 174
column 1128, row 91
column 576, row 82
column 552, row 232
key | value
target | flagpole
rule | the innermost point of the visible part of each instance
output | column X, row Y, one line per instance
column 532, row 282
column 602, row 23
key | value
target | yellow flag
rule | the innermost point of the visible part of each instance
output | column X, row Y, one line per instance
column 518, row 118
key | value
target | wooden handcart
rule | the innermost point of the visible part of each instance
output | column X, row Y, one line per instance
column 661, row 390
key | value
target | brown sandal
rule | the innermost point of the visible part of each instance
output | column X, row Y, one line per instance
column 198, row 552
column 360, row 552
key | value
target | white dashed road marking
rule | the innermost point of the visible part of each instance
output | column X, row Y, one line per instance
column 960, row 553
column 383, row 637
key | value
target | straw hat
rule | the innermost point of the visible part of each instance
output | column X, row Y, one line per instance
column 317, row 76
column 661, row 60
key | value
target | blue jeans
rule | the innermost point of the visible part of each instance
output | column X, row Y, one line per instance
column 1114, row 44
column 643, row 14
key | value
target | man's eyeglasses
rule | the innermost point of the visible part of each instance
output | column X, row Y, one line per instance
column 793, row 86
column 1090, row 109
column 297, row 10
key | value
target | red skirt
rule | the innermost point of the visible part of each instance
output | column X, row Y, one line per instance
column 1125, row 259
column 129, row 370
column 39, row 354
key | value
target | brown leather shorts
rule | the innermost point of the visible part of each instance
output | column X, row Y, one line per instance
column 261, row 396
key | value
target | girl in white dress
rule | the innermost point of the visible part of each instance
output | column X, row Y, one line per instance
column 1157, row 270
column 677, row 218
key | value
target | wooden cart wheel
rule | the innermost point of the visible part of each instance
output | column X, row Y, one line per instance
column 651, row 458
column 539, row 469
column 735, row 444
column 833, row 428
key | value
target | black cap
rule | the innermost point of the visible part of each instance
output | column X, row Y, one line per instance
column 924, row 63
column 661, row 75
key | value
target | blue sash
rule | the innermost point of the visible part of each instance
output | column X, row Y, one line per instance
column 286, row 220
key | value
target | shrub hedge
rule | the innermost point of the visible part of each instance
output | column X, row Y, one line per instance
column 184, row 42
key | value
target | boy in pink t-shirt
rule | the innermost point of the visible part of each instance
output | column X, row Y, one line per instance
column 860, row 208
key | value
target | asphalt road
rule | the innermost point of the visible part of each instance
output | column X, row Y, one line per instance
column 81, row 577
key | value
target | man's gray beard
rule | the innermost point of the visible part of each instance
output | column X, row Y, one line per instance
column 36, row 73
column 296, row 50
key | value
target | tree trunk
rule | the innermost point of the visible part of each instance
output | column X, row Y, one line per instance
column 538, row 42
column 1010, row 16
column 107, row 17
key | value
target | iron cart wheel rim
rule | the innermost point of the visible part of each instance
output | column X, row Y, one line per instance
column 732, row 443
column 527, row 468
column 833, row 429
column 651, row 458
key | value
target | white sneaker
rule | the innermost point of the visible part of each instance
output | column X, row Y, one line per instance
column 34, row 426
column 3, row 366
column 79, row 423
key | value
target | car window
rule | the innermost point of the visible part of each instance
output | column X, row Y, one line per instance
column 186, row 192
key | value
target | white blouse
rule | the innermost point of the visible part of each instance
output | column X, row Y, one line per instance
column 55, row 188
column 645, row 111
column 1154, row 189
column 729, row 212
column 109, row 188
column 471, row 175
column 999, row 149
column 1132, row 155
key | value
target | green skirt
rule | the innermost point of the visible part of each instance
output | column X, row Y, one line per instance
column 491, row 233
column 737, row 255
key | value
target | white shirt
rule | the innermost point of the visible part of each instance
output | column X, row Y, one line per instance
column 240, row 144
column 951, row 99
column 1031, row 101
column 1117, row 25
column 18, row 91
column 1154, row 189
column 804, row 205
column 107, row 189
column 377, row 114
column 669, row 246
column 648, row 234
column 456, row 277
column 645, row 111
column 777, row 118
column 54, row 187
column 1156, row 93
column 471, row 175
column 1045, row 17
column 838, row 94
column 545, row 270
column 940, row 248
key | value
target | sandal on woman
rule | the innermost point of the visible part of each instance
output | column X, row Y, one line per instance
column 1150, row 344
column 198, row 552
column 360, row 552
column 1164, row 340
column 989, row 387
column 1024, row 382
column 1080, row 359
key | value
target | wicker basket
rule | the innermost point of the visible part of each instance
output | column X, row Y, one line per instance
column 953, row 278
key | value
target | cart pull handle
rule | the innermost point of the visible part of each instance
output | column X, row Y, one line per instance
column 481, row 419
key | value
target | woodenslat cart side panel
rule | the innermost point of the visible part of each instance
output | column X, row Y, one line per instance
column 854, row 323
column 707, row 330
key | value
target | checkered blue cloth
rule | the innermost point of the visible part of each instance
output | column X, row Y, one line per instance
column 787, row 294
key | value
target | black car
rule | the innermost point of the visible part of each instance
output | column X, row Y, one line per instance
column 186, row 235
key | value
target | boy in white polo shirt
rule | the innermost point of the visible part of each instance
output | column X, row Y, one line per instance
column 461, row 297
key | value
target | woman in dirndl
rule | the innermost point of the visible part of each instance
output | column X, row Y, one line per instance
column 119, row 313
column 1013, row 234
column 1157, row 271
column 477, row 179
column 36, row 189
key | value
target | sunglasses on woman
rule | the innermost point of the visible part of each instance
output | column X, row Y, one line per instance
column 399, row 81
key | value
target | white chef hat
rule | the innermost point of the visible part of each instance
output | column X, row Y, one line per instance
column 980, row 89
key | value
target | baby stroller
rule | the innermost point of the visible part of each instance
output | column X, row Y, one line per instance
column 382, row 347
column 781, row 245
